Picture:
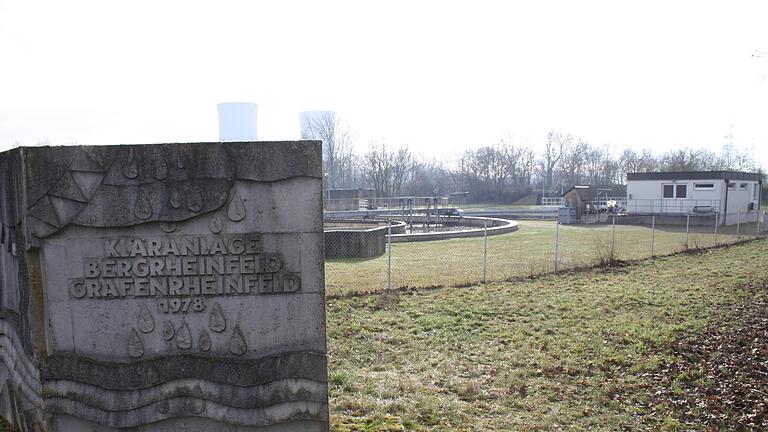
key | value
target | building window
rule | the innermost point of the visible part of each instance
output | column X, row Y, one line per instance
column 731, row 186
column 742, row 186
column 675, row 191
column 704, row 186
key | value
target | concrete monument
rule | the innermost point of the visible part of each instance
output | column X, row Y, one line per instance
column 171, row 287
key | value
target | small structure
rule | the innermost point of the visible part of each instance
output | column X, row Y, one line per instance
column 588, row 199
column 728, row 196
column 577, row 198
column 350, row 199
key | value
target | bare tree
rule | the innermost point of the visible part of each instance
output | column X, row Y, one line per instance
column 688, row 160
column 338, row 151
column 495, row 173
column 731, row 160
column 427, row 177
column 387, row 171
column 594, row 161
column 554, row 149
column 403, row 164
column 573, row 162
column 632, row 161
column 527, row 165
column 517, row 158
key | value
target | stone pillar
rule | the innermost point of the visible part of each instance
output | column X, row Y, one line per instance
column 171, row 287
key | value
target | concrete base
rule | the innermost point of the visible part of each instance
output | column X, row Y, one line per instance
column 182, row 424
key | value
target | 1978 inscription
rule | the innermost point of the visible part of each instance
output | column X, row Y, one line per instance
column 183, row 266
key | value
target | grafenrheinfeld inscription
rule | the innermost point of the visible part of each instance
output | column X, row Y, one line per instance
column 163, row 288
column 183, row 266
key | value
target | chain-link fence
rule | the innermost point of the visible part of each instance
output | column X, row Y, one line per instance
column 374, row 255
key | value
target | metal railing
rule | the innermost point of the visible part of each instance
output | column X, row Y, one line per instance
column 552, row 201
column 600, row 202
column 672, row 205
column 390, row 203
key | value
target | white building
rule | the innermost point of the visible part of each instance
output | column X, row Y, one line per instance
column 729, row 196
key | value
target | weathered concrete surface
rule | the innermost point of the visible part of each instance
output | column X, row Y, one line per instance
column 350, row 242
column 164, row 287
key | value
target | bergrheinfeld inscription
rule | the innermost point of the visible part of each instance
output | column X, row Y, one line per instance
column 163, row 287
column 180, row 271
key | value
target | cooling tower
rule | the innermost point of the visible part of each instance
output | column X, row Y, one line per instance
column 237, row 121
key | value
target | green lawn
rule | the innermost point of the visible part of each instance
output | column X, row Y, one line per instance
column 527, row 252
column 561, row 352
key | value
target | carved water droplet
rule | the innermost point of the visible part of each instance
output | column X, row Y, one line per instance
column 179, row 159
column 143, row 209
column 146, row 321
column 195, row 201
column 237, row 345
column 161, row 168
column 217, row 322
column 175, row 199
column 135, row 345
column 168, row 227
column 130, row 167
column 216, row 224
column 168, row 330
column 184, row 336
column 204, row 342
column 236, row 210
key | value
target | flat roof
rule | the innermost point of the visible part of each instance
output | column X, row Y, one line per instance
column 695, row 175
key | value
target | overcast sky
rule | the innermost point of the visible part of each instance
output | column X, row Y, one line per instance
column 439, row 76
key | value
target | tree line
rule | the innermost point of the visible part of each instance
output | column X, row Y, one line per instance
column 505, row 171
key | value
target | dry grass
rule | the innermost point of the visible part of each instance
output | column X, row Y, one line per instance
column 527, row 252
column 562, row 352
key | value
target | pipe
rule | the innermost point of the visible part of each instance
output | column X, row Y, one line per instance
column 725, row 209
column 759, row 199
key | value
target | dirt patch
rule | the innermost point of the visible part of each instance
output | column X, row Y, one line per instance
column 718, row 380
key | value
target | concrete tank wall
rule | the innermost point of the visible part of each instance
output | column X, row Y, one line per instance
column 355, row 244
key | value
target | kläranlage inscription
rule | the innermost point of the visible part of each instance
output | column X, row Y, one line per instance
column 184, row 266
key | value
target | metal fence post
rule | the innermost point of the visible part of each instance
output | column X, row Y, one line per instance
column 485, row 251
column 389, row 254
column 687, row 230
column 757, row 226
column 613, row 237
column 653, row 235
column 557, row 239
column 717, row 223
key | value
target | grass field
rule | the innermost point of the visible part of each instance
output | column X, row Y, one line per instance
column 561, row 352
column 527, row 252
